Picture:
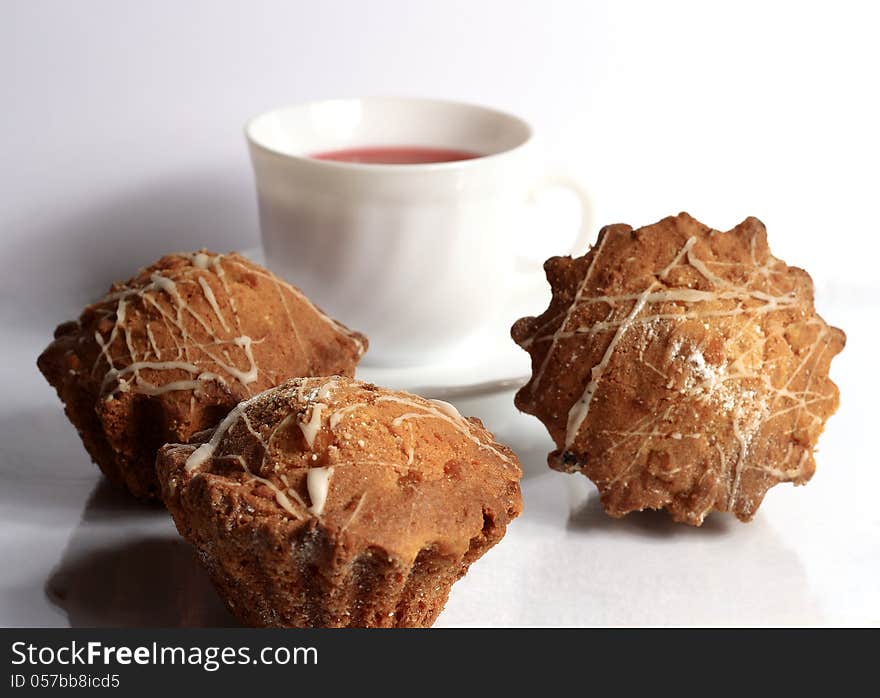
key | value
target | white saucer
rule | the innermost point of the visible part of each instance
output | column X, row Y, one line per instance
column 488, row 362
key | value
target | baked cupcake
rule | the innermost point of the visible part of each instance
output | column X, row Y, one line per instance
column 169, row 352
column 326, row 502
column 681, row 368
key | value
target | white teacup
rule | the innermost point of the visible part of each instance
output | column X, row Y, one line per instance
column 418, row 256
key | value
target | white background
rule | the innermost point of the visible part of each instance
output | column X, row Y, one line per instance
column 121, row 140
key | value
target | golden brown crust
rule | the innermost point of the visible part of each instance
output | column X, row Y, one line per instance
column 172, row 350
column 679, row 367
column 328, row 502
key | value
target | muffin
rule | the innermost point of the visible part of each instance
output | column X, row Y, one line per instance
column 326, row 502
column 681, row 368
column 169, row 352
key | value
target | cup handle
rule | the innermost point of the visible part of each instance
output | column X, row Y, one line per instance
column 561, row 180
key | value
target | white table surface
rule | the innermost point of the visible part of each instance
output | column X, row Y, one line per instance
column 121, row 141
column 76, row 552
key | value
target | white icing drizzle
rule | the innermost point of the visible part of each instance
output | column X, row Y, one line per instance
column 446, row 408
column 292, row 391
column 341, row 413
column 245, row 377
column 354, row 514
column 311, row 427
column 198, row 457
column 697, row 264
column 410, row 447
column 147, row 388
column 281, row 496
column 539, row 375
column 578, row 412
column 301, row 395
column 152, row 339
column 182, row 355
column 318, row 484
column 115, row 373
column 291, row 491
column 280, row 284
column 580, row 409
column 221, row 274
column 326, row 390
column 428, row 410
column 165, row 284
column 212, row 300
column 200, row 260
